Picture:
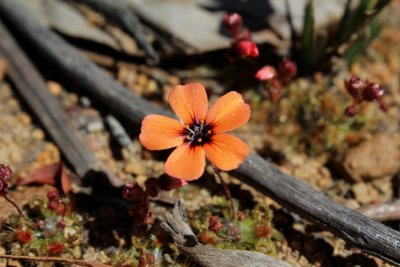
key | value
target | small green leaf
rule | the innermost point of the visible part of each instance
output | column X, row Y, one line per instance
column 308, row 27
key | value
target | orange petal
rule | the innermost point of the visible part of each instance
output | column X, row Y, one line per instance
column 226, row 151
column 160, row 132
column 228, row 113
column 186, row 162
column 189, row 102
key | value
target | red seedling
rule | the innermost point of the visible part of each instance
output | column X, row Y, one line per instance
column 363, row 90
column 24, row 236
column 242, row 45
column 55, row 248
column 214, row 224
column 275, row 80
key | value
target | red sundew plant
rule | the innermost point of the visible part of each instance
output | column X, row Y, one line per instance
column 200, row 133
column 55, row 248
column 140, row 209
column 242, row 45
column 5, row 176
column 363, row 90
column 214, row 223
column 24, row 236
column 276, row 79
column 139, row 197
column 57, row 205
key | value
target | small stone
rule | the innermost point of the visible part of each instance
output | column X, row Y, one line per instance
column 151, row 87
column 173, row 80
column 16, row 156
column 54, row 88
column 25, row 119
column 168, row 259
column 94, row 126
column 352, row 204
column 85, row 101
column 374, row 158
column 142, row 80
column 135, row 167
column 364, row 193
column 38, row 134
column 72, row 99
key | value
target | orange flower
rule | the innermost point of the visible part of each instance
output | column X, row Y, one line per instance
column 200, row 134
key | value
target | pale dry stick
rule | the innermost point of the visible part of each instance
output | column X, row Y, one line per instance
column 361, row 231
column 176, row 225
column 55, row 259
column 382, row 212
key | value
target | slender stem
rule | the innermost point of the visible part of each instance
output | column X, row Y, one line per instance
column 227, row 192
column 17, row 208
column 54, row 259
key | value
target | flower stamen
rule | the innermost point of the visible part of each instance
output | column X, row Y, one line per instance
column 197, row 133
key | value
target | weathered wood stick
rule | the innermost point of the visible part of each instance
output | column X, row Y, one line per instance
column 33, row 89
column 73, row 66
column 186, row 240
column 371, row 236
column 125, row 17
column 359, row 230
column 55, row 259
column 382, row 212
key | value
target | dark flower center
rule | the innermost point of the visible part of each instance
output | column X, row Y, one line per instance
column 197, row 133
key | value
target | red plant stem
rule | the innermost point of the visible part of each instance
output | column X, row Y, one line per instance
column 227, row 192
column 17, row 208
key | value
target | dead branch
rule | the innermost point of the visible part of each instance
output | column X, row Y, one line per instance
column 186, row 240
column 125, row 17
column 34, row 90
column 363, row 232
column 382, row 212
column 55, row 259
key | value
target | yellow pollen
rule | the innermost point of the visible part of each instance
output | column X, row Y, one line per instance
column 188, row 137
column 199, row 140
column 209, row 132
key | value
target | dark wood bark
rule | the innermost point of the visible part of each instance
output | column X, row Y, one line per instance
column 73, row 66
column 33, row 90
column 359, row 230
column 371, row 236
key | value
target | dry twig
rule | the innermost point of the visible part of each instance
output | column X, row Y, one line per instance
column 382, row 212
column 186, row 240
column 55, row 259
column 127, row 20
column 33, row 89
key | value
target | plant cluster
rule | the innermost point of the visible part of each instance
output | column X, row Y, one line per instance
column 363, row 90
column 252, row 230
column 50, row 231
column 274, row 80
column 242, row 45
